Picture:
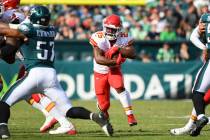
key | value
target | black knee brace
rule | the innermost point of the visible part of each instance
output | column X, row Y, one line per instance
column 198, row 102
column 4, row 112
column 78, row 112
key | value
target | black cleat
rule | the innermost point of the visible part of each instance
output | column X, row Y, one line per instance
column 4, row 131
column 103, row 122
column 199, row 125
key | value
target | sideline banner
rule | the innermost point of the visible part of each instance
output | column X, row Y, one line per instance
column 144, row 81
column 86, row 2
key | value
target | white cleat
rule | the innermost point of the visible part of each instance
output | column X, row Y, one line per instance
column 48, row 124
column 182, row 131
column 209, row 121
column 63, row 130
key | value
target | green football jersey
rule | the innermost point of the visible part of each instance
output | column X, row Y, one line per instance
column 39, row 50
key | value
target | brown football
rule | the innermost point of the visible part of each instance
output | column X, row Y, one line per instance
column 126, row 52
column 114, row 56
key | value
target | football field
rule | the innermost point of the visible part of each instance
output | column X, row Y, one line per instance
column 155, row 118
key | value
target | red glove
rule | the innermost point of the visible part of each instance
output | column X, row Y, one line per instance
column 111, row 52
column 120, row 59
column 123, row 60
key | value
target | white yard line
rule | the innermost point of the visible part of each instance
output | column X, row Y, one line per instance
column 178, row 117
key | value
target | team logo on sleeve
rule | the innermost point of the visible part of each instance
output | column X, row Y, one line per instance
column 24, row 28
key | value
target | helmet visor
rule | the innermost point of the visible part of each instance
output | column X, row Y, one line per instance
column 111, row 33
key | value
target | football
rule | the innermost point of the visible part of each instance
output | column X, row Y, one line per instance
column 114, row 56
column 127, row 52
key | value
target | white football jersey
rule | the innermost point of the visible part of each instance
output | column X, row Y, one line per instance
column 11, row 15
column 14, row 17
column 98, row 39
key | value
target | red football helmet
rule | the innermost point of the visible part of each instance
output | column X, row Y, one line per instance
column 10, row 4
column 112, row 26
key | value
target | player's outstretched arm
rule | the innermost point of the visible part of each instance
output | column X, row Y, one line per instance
column 12, row 33
column 7, row 52
column 195, row 39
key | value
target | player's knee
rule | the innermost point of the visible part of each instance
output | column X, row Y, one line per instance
column 197, row 94
column 4, row 104
column 4, row 111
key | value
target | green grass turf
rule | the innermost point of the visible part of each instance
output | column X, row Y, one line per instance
column 155, row 118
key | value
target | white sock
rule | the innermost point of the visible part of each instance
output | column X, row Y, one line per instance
column 40, row 107
column 65, row 123
column 125, row 100
column 193, row 112
column 192, row 119
column 200, row 116
column 91, row 116
column 54, row 112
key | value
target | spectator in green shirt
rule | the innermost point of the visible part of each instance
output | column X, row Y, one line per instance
column 168, row 34
column 165, row 54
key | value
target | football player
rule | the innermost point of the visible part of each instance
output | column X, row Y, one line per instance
column 8, row 46
column 41, row 76
column 199, row 37
column 9, row 13
column 110, row 48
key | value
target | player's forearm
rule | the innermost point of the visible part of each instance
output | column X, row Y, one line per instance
column 195, row 39
column 105, row 61
column 12, row 33
column 101, row 59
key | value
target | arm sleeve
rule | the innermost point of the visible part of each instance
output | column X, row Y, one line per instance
column 195, row 39
column 25, row 28
column 13, row 26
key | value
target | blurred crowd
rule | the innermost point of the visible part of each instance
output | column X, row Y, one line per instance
column 164, row 20
column 157, row 20
column 166, row 54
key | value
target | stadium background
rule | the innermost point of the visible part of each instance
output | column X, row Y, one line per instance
column 153, row 24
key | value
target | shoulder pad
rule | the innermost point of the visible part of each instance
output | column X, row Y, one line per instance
column 97, row 38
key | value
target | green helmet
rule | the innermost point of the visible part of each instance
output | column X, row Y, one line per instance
column 205, row 18
column 39, row 15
